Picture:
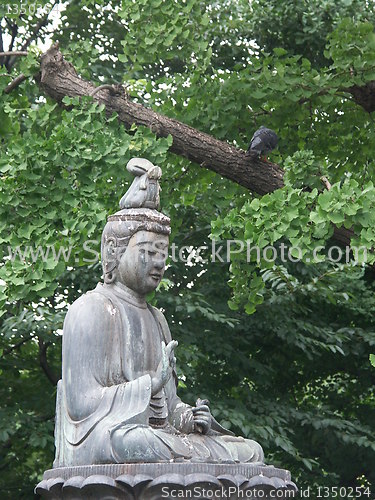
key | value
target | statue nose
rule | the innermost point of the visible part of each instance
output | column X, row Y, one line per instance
column 159, row 263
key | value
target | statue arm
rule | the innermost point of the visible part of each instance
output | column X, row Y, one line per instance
column 183, row 417
column 180, row 414
column 92, row 361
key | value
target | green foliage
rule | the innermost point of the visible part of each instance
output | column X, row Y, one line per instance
column 165, row 27
column 352, row 47
column 51, row 171
column 280, row 348
column 31, row 63
column 297, row 371
column 301, row 27
column 90, row 34
column 302, row 170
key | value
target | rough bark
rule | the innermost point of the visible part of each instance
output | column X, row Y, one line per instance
column 58, row 78
column 364, row 96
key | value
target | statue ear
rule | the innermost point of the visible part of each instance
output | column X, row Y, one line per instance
column 110, row 260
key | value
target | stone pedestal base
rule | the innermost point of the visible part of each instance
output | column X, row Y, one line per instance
column 154, row 481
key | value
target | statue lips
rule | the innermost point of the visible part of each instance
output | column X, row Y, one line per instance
column 156, row 276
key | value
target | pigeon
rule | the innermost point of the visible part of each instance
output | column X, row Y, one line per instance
column 263, row 141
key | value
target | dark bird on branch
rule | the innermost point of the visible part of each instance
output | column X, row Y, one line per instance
column 263, row 141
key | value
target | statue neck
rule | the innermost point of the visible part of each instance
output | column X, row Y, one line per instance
column 126, row 293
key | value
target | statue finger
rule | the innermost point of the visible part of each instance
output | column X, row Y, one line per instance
column 200, row 416
column 165, row 354
column 166, row 375
column 163, row 349
column 200, row 402
column 202, row 424
column 171, row 346
column 203, row 408
column 166, row 365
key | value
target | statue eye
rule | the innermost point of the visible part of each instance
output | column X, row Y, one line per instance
column 146, row 251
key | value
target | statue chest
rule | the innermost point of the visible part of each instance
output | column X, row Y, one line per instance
column 141, row 340
column 142, row 346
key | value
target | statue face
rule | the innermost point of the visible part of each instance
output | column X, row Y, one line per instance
column 142, row 265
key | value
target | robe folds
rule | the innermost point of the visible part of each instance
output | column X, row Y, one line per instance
column 105, row 412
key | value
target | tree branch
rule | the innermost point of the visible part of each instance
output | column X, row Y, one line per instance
column 14, row 29
column 364, row 95
column 43, row 346
column 58, row 78
column 326, row 182
column 13, row 53
column 15, row 83
column 16, row 346
column 1, row 46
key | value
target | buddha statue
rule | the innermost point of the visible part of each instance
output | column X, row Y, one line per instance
column 117, row 401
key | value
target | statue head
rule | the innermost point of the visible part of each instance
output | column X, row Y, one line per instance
column 135, row 239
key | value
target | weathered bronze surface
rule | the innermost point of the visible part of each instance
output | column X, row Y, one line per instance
column 167, row 480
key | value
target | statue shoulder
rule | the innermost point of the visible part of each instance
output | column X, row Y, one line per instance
column 92, row 307
column 157, row 313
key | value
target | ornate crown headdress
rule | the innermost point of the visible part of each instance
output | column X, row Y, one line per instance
column 139, row 210
column 142, row 200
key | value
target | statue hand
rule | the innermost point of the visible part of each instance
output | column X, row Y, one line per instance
column 165, row 368
column 202, row 416
column 169, row 352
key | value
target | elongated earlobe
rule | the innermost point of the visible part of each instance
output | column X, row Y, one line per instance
column 110, row 277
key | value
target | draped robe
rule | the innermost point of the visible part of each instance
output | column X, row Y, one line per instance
column 105, row 412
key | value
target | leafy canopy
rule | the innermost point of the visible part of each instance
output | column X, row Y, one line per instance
column 287, row 362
